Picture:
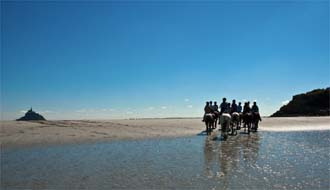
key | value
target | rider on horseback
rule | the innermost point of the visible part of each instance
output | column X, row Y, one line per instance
column 233, row 107
column 255, row 116
column 215, row 107
column 255, row 107
column 228, row 108
column 247, row 116
column 246, row 108
column 225, row 119
column 239, row 107
column 223, row 105
column 255, row 111
column 207, row 109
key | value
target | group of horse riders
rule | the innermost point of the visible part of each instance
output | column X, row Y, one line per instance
column 231, row 115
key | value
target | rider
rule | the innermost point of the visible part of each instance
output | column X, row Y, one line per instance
column 233, row 106
column 246, row 108
column 223, row 105
column 239, row 107
column 255, row 110
column 228, row 108
column 255, row 107
column 215, row 107
column 207, row 109
column 225, row 116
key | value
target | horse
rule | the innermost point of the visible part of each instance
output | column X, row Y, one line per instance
column 225, row 120
column 240, row 119
column 209, row 121
column 234, row 124
column 247, row 121
column 255, row 121
column 216, row 117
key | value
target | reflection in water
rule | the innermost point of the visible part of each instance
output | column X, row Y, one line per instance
column 222, row 158
column 210, row 152
column 263, row 160
column 250, row 147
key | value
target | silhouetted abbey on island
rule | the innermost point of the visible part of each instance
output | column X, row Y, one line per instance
column 30, row 116
column 313, row 103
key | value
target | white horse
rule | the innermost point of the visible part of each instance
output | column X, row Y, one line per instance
column 235, row 122
column 225, row 120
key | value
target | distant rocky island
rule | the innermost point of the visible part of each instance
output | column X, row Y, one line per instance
column 313, row 103
column 31, row 116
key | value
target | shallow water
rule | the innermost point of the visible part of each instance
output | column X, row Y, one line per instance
column 263, row 160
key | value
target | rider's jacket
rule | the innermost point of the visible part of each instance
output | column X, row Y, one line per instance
column 223, row 106
column 239, row 109
column 255, row 108
column 207, row 109
column 215, row 108
column 246, row 109
column 233, row 108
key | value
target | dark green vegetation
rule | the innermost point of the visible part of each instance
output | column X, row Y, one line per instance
column 30, row 116
column 313, row 103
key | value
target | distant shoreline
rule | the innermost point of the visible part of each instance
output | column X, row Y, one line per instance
column 201, row 117
column 158, row 118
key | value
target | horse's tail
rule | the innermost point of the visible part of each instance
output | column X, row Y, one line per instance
column 256, row 116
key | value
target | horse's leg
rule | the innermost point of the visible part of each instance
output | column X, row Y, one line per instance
column 252, row 125
column 206, row 128
column 244, row 123
column 222, row 127
column 233, row 127
column 240, row 121
column 227, row 124
column 230, row 128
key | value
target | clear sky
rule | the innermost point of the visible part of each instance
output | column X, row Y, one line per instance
column 103, row 60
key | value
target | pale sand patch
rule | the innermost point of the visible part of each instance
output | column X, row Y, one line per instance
column 295, row 124
column 20, row 133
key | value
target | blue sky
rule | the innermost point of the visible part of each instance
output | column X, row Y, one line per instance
column 104, row 60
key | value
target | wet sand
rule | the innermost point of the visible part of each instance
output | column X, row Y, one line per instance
column 287, row 153
column 25, row 134
column 262, row 160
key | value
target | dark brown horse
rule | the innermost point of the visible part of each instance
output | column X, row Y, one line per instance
column 240, row 119
column 255, row 121
column 209, row 121
column 247, row 121
column 216, row 118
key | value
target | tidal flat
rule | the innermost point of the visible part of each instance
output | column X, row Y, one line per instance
column 262, row 160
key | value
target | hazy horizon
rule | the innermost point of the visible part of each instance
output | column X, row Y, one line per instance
column 113, row 60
